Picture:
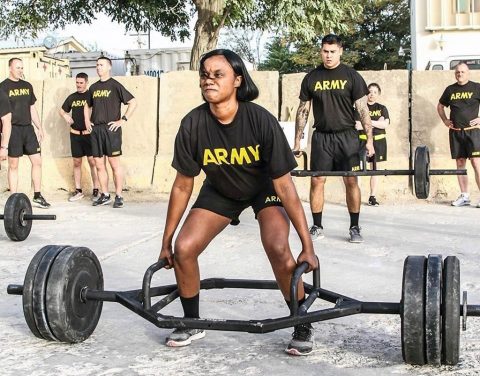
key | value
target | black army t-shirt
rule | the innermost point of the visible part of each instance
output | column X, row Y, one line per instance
column 21, row 97
column 4, row 107
column 76, row 102
column 376, row 111
column 464, row 102
column 239, row 158
column 334, row 92
column 106, row 98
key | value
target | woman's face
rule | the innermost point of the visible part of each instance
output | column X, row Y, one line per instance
column 373, row 94
column 218, row 80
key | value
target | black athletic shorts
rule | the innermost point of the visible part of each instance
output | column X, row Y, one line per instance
column 81, row 145
column 23, row 141
column 335, row 151
column 106, row 142
column 380, row 145
column 210, row 199
column 465, row 144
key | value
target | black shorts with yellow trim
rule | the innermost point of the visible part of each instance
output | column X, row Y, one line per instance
column 106, row 142
column 23, row 141
column 380, row 145
column 336, row 151
column 210, row 199
column 465, row 143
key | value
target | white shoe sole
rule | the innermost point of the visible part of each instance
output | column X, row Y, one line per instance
column 173, row 343
column 295, row 352
column 462, row 204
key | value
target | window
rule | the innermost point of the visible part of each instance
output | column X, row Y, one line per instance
column 437, row 67
column 476, row 5
column 462, row 6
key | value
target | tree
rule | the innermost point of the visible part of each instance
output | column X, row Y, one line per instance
column 371, row 42
column 302, row 19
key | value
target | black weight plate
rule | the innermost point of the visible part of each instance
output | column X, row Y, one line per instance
column 421, row 172
column 16, row 228
column 451, row 311
column 413, row 310
column 433, row 319
column 27, row 296
column 71, row 319
column 39, row 290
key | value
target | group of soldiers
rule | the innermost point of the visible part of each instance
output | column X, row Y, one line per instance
column 95, row 120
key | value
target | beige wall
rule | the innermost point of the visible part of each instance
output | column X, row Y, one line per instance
column 163, row 102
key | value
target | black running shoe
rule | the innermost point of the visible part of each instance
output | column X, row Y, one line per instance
column 372, row 201
column 103, row 200
column 302, row 340
column 118, row 203
column 40, row 202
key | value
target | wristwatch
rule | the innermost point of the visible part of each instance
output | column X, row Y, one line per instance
column 124, row 118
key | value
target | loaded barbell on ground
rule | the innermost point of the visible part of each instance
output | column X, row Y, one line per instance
column 421, row 171
column 63, row 297
column 18, row 217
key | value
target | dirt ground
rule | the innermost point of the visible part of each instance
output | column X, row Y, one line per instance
column 127, row 241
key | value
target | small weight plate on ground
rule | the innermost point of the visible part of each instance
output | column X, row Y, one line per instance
column 27, row 295
column 451, row 311
column 413, row 310
column 16, row 228
column 71, row 319
column 433, row 319
column 40, row 288
column 421, row 172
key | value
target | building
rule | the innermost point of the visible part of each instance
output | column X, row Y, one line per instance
column 444, row 32
column 153, row 62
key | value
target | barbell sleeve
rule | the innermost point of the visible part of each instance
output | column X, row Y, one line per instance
column 41, row 217
column 15, row 289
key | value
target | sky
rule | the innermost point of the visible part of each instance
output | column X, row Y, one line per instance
column 103, row 34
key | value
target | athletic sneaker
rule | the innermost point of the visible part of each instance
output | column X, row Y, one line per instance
column 184, row 337
column 95, row 194
column 40, row 202
column 355, row 236
column 103, row 200
column 316, row 232
column 462, row 200
column 478, row 205
column 118, row 203
column 372, row 201
column 77, row 195
column 302, row 340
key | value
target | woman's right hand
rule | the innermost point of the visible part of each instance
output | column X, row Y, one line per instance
column 167, row 253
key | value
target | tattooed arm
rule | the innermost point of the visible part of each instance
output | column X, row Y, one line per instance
column 362, row 108
column 300, row 123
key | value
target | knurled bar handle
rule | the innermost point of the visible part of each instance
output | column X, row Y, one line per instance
column 147, row 280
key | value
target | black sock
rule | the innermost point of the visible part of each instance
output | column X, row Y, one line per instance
column 317, row 219
column 300, row 302
column 354, row 219
column 191, row 306
column 78, row 190
column 36, row 194
column 95, row 191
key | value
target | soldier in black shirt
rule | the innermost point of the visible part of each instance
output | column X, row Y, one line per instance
column 334, row 89
column 105, row 98
column 380, row 119
column 5, row 125
column 463, row 98
column 80, row 139
column 247, row 162
column 24, row 139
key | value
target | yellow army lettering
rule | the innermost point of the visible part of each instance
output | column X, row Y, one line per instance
column 272, row 199
column 81, row 103
column 18, row 92
column 375, row 113
column 356, row 168
column 243, row 155
column 101, row 93
column 464, row 95
column 330, row 85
